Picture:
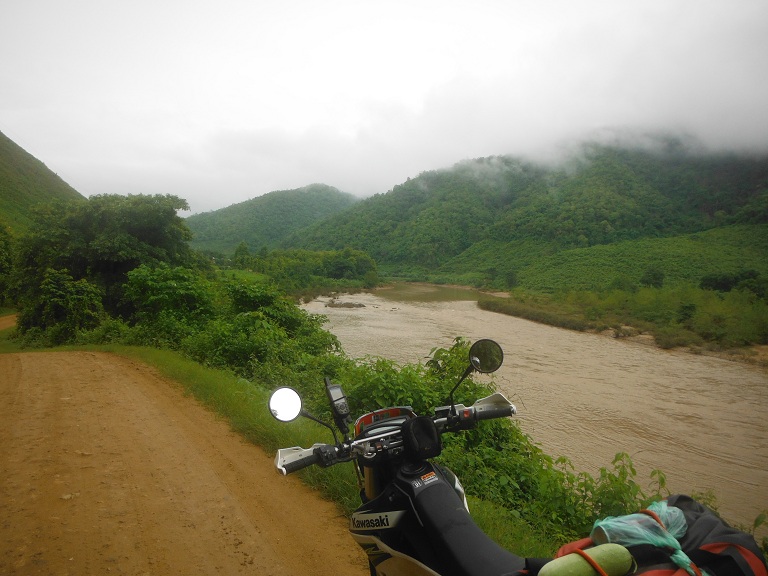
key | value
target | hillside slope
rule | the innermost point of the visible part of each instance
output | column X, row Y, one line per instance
column 24, row 182
column 682, row 259
column 265, row 221
column 600, row 196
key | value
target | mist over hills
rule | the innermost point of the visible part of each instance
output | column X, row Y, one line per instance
column 604, row 195
column 499, row 215
column 500, row 219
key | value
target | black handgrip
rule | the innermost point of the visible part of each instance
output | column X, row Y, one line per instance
column 491, row 412
column 301, row 463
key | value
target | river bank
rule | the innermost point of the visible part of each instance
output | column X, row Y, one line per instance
column 552, row 316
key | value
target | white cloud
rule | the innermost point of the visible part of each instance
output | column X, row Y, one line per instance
column 222, row 101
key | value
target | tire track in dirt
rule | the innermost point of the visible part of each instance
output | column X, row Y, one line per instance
column 110, row 468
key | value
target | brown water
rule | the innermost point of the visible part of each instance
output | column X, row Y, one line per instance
column 701, row 420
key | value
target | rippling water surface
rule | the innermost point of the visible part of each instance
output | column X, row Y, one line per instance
column 701, row 420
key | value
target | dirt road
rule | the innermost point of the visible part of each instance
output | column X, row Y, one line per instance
column 107, row 468
column 7, row 321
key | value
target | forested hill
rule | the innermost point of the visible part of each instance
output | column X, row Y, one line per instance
column 601, row 196
column 265, row 221
column 24, row 182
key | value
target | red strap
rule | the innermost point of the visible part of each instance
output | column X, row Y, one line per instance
column 591, row 561
column 576, row 545
column 653, row 515
column 750, row 558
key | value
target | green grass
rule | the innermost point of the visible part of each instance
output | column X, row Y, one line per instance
column 246, row 276
column 540, row 267
column 682, row 259
column 7, row 343
column 678, row 316
column 510, row 532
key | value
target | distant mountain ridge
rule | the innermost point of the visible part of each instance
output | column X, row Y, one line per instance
column 24, row 182
column 603, row 195
column 604, row 215
column 266, row 221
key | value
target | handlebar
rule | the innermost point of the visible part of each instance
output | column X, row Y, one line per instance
column 492, row 412
column 290, row 460
column 447, row 419
column 460, row 417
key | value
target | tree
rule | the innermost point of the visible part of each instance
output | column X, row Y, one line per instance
column 99, row 241
column 242, row 257
column 653, row 277
column 5, row 262
column 178, row 291
column 64, row 306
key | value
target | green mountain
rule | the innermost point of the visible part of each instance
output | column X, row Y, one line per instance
column 265, row 221
column 25, row 182
column 500, row 215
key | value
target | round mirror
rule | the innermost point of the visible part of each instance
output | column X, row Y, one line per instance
column 486, row 356
column 285, row 404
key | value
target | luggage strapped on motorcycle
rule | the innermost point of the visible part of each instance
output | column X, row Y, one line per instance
column 713, row 547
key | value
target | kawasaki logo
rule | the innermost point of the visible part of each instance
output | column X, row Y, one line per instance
column 375, row 521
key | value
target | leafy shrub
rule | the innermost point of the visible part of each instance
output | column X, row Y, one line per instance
column 725, row 281
column 175, row 292
column 669, row 337
column 535, row 313
column 164, row 330
column 259, row 330
column 235, row 343
column 249, row 296
column 62, row 307
column 110, row 330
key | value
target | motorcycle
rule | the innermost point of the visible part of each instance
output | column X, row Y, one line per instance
column 414, row 518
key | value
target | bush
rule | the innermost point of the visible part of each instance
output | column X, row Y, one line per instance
column 109, row 331
column 60, row 308
column 177, row 293
column 674, row 337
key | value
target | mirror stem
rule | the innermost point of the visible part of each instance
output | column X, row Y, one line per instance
column 308, row 415
column 467, row 372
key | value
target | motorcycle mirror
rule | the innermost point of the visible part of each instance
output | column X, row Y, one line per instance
column 486, row 356
column 285, row 404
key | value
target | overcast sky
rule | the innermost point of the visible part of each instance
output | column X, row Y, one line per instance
column 219, row 101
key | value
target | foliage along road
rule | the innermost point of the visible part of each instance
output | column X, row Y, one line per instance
column 110, row 468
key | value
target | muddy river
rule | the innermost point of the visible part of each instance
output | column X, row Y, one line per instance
column 701, row 420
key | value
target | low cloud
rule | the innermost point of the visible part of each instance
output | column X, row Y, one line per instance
column 218, row 106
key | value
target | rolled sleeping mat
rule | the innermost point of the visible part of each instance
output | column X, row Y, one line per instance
column 614, row 559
